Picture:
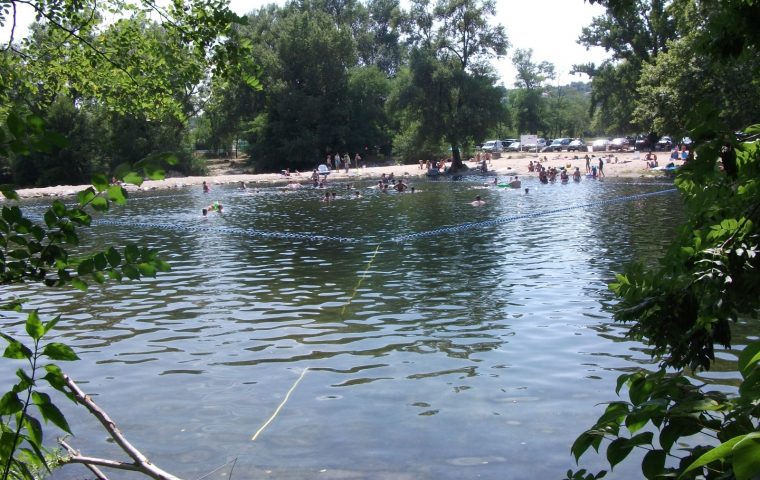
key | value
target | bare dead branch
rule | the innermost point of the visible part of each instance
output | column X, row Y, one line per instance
column 73, row 453
column 141, row 462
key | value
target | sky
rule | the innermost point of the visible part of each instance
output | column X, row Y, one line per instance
column 550, row 27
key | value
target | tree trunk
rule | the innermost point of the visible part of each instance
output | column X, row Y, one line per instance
column 456, row 160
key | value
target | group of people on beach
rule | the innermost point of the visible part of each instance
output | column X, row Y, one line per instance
column 337, row 162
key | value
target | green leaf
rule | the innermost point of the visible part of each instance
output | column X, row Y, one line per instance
column 644, row 438
column 693, row 406
column 7, row 445
column 26, row 380
column 50, row 218
column 10, row 404
column 615, row 412
column 99, row 261
column 9, row 192
column 640, row 389
column 653, row 464
column 618, row 450
column 669, row 435
column 49, row 411
column 748, row 358
column 117, row 194
column 79, row 284
column 59, row 351
column 147, row 270
column 720, row 452
column 54, row 376
column 747, row 457
column 34, row 326
column 133, row 178
column 33, row 430
column 131, row 272
column 100, row 204
column 131, row 253
column 157, row 174
column 100, row 182
column 113, row 257
column 59, row 208
column 586, row 439
column 86, row 196
column 16, row 350
column 85, row 267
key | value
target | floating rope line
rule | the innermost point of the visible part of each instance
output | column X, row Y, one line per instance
column 230, row 230
column 398, row 239
column 361, row 279
column 279, row 407
column 499, row 221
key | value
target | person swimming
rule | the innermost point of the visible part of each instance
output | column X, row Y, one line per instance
column 478, row 201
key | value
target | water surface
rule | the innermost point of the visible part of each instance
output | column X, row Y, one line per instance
column 480, row 353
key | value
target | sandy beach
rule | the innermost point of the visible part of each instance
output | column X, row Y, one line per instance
column 617, row 164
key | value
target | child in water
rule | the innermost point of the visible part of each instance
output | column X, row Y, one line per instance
column 214, row 207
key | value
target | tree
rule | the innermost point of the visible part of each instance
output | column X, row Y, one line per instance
column 450, row 84
column 706, row 282
column 634, row 32
column 368, row 121
column 378, row 36
column 527, row 101
column 304, row 110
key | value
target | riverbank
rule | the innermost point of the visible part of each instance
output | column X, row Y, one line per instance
column 623, row 164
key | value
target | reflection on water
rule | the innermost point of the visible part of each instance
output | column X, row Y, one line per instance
column 475, row 354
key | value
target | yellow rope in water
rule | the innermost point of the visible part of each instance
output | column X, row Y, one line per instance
column 287, row 395
column 279, row 407
column 359, row 283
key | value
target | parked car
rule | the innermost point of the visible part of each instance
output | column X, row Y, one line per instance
column 557, row 145
column 600, row 145
column 577, row 145
column 665, row 143
column 641, row 143
column 618, row 144
column 513, row 147
column 492, row 146
column 532, row 147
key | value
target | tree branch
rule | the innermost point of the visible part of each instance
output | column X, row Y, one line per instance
column 74, row 458
column 141, row 462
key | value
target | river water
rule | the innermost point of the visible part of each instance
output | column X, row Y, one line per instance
column 475, row 353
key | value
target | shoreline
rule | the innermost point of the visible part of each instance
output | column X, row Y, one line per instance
column 619, row 165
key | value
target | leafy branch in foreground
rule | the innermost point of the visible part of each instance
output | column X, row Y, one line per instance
column 706, row 282
column 36, row 251
column 22, row 452
column 21, row 430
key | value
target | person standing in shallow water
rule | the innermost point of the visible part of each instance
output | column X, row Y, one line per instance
column 206, row 188
column 601, row 167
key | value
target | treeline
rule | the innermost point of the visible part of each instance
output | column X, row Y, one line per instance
column 315, row 77
column 372, row 78
column 306, row 79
